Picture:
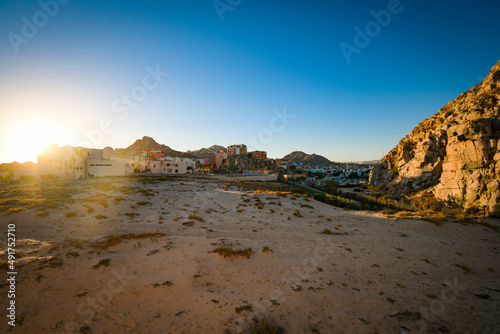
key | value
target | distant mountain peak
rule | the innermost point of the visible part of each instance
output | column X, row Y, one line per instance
column 302, row 157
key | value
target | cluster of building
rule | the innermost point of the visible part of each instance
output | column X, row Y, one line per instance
column 157, row 163
column 69, row 162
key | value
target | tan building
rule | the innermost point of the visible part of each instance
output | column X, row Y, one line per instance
column 259, row 155
column 236, row 149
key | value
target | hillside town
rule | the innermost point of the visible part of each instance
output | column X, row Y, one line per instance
column 69, row 162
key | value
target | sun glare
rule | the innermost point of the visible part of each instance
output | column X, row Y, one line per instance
column 29, row 138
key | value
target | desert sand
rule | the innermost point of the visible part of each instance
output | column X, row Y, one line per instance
column 314, row 268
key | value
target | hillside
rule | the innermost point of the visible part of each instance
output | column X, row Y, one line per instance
column 301, row 157
column 147, row 143
column 454, row 154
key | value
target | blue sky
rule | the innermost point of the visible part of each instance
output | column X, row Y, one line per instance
column 227, row 78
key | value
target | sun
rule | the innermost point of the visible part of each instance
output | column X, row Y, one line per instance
column 29, row 138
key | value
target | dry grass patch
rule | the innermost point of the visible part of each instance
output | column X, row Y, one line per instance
column 195, row 217
column 70, row 214
column 102, row 263
column 114, row 240
column 227, row 251
column 266, row 249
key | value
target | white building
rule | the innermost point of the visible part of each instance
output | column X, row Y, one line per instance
column 78, row 162
column 166, row 165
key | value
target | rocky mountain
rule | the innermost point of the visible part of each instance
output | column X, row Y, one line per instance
column 454, row 154
column 147, row 143
column 311, row 159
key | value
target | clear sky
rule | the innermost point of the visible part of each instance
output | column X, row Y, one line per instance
column 344, row 79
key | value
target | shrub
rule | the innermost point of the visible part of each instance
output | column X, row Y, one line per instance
column 70, row 214
column 198, row 218
column 227, row 251
column 266, row 249
column 495, row 212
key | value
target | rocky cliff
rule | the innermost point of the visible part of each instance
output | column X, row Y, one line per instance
column 454, row 154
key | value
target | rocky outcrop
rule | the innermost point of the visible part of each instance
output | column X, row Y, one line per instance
column 240, row 163
column 454, row 154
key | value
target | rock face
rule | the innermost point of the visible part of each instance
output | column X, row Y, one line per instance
column 455, row 154
column 240, row 163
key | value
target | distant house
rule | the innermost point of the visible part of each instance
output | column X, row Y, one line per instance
column 259, row 155
column 236, row 150
column 166, row 165
column 219, row 156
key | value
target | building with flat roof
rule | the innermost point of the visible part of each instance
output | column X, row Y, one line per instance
column 236, row 150
column 78, row 162
column 259, row 155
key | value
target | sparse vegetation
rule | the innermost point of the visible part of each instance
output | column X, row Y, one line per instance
column 70, row 214
column 114, row 240
column 100, row 217
column 227, row 251
column 326, row 231
column 102, row 263
column 198, row 218
column 266, row 249
column 247, row 307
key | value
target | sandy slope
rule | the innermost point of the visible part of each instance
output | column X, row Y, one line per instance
column 372, row 275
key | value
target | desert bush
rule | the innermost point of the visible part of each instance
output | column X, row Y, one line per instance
column 434, row 217
column 195, row 217
column 326, row 231
column 266, row 249
column 70, row 214
column 495, row 212
column 227, row 251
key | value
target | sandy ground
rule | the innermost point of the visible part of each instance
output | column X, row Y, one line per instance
column 370, row 275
